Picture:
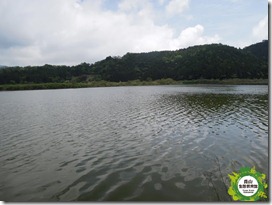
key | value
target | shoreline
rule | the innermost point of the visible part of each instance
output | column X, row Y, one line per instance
column 168, row 81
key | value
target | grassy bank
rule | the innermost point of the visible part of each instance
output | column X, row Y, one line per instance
column 167, row 81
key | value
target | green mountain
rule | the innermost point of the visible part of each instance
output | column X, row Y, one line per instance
column 214, row 61
column 259, row 49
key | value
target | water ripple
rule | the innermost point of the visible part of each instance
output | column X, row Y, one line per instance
column 129, row 143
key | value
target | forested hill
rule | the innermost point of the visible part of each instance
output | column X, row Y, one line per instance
column 259, row 49
column 214, row 61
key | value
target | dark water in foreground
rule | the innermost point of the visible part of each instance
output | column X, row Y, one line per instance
column 155, row 143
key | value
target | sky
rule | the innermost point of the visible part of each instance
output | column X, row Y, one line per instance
column 69, row 32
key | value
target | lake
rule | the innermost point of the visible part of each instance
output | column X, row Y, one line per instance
column 144, row 143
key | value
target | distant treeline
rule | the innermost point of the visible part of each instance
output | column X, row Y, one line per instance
column 214, row 61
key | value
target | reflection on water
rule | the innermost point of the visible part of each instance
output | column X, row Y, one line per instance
column 156, row 143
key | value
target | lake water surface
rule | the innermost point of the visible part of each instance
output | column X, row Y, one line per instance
column 146, row 143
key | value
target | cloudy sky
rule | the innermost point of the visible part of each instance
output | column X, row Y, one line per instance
column 36, row 32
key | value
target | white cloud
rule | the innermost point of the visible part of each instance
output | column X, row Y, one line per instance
column 35, row 32
column 260, row 31
column 128, row 5
column 177, row 6
column 137, row 9
column 193, row 36
column 161, row 2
